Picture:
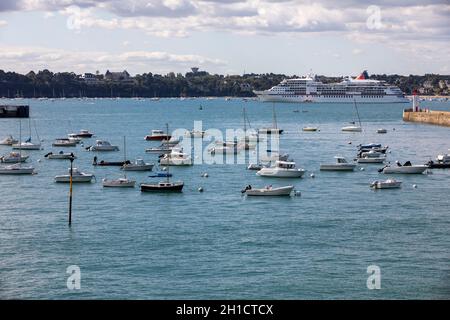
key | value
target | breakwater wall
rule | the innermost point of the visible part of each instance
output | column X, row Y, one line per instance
column 441, row 118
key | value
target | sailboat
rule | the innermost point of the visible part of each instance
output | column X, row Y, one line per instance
column 17, row 168
column 354, row 128
column 120, row 182
column 137, row 165
column 28, row 145
column 274, row 129
column 163, row 186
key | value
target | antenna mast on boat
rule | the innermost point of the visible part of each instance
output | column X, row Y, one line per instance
column 357, row 113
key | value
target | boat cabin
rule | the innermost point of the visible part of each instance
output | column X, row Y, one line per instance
column 285, row 164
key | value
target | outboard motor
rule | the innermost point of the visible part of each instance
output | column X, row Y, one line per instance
column 50, row 153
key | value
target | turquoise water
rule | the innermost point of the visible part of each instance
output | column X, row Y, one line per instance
column 218, row 244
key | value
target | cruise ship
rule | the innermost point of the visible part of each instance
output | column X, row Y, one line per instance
column 308, row 89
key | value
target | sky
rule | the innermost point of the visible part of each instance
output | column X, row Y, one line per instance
column 327, row 37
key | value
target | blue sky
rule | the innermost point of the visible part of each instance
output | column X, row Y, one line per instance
column 228, row 37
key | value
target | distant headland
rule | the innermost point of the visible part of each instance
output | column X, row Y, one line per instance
column 196, row 83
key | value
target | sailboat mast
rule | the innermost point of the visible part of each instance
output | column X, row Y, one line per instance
column 357, row 112
column 20, row 142
column 168, row 162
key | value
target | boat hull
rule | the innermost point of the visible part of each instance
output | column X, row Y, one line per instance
column 333, row 167
column 157, row 188
column 406, row 169
column 268, row 172
column 282, row 191
column 17, row 171
column 371, row 160
column 157, row 138
column 66, row 179
column 118, row 183
column 132, row 167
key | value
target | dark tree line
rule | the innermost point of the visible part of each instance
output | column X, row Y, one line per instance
column 68, row 84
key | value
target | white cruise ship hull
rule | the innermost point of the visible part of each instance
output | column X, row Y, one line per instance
column 266, row 97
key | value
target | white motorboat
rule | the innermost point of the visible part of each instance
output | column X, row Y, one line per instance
column 77, row 176
column 27, row 145
column 340, row 165
column 64, row 142
column 310, row 129
column 176, row 158
column 8, row 141
column 195, row 134
column 13, row 157
column 119, row 183
column 274, row 156
column 372, row 147
column 103, row 145
column 352, row 129
column 17, row 168
column 74, row 138
column 60, row 155
column 407, row 168
column 386, row 184
column 282, row 169
column 371, row 157
column 225, row 148
column 138, row 165
column 268, row 191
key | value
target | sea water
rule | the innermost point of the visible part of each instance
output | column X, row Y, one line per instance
column 218, row 244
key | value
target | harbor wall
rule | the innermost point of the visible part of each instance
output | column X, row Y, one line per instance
column 441, row 118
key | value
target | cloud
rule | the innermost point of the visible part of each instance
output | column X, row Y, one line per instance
column 3, row 23
column 24, row 59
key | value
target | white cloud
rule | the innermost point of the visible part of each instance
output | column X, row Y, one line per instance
column 24, row 59
column 3, row 23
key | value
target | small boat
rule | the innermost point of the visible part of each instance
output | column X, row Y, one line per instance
column 77, row 176
column 17, row 168
column 103, row 145
column 442, row 162
column 310, row 129
column 386, row 184
column 60, row 155
column 282, row 169
column 372, row 147
column 27, row 145
column 170, row 143
column 160, row 175
column 157, row 135
column 225, row 148
column 74, row 138
column 176, row 158
column 371, row 157
column 195, row 134
column 13, row 157
column 351, row 129
column 159, row 150
column 82, row 134
column 340, row 165
column 164, row 186
column 64, row 142
column 138, row 165
column 103, row 163
column 8, row 141
column 381, row 130
column 268, row 191
column 255, row 166
column 406, row 168
column 119, row 183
